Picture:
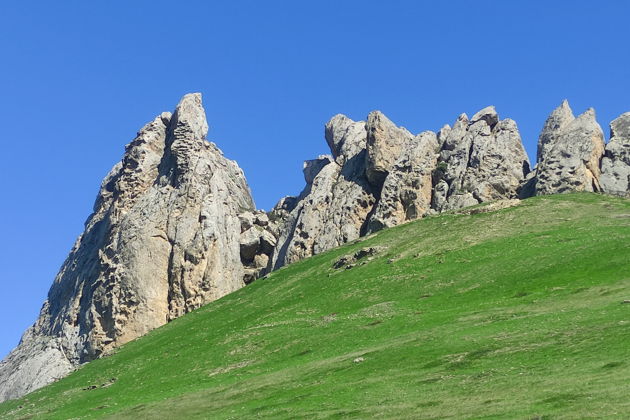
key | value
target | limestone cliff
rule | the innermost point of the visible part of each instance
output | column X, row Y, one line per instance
column 164, row 239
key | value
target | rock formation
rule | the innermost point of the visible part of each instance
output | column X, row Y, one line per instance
column 174, row 225
column 336, row 201
column 164, row 238
column 569, row 151
column 385, row 142
column 615, row 177
column 381, row 175
column 482, row 159
column 406, row 191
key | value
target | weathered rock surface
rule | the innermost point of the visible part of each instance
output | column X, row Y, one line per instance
column 482, row 159
column 385, row 142
column 174, row 225
column 615, row 178
column 332, row 209
column 164, row 238
column 406, row 193
column 380, row 175
column 569, row 150
column 258, row 241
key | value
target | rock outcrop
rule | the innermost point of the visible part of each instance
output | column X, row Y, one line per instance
column 569, row 153
column 406, row 192
column 381, row 175
column 174, row 225
column 385, row 141
column 615, row 178
column 334, row 205
column 164, row 238
column 481, row 159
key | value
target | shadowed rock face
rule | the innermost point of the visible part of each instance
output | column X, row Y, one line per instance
column 569, row 150
column 615, row 177
column 163, row 240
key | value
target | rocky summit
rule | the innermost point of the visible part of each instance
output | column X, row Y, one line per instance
column 174, row 224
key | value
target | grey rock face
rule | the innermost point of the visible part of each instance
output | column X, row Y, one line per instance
column 345, row 138
column 615, row 177
column 164, row 238
column 382, row 176
column 406, row 193
column 385, row 142
column 570, row 150
column 482, row 159
column 333, row 208
column 174, row 225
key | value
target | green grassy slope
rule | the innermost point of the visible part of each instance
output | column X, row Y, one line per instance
column 511, row 314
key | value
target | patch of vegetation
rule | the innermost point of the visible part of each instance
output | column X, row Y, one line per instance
column 508, row 314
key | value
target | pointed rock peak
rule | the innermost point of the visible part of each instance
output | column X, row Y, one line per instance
column 339, row 120
column 190, row 118
column 563, row 113
column 589, row 114
column 462, row 117
column 312, row 167
column 375, row 116
column 488, row 114
column 620, row 127
column 378, row 119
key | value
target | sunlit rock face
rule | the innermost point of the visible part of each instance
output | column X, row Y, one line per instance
column 381, row 175
column 569, row 152
column 163, row 240
column 175, row 227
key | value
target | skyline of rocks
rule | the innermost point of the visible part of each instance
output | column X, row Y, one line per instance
column 175, row 227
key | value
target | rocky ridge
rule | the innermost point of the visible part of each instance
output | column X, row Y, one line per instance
column 174, row 224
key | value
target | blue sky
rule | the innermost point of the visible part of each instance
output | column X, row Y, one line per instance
column 78, row 79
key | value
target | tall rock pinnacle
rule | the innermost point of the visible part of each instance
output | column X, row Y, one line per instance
column 569, row 152
column 164, row 239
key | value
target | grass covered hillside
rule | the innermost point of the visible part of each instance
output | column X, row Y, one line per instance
column 516, row 313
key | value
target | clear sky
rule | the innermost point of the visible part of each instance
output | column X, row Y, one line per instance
column 79, row 78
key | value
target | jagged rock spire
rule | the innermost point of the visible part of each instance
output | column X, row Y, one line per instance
column 569, row 150
column 481, row 159
column 164, row 239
